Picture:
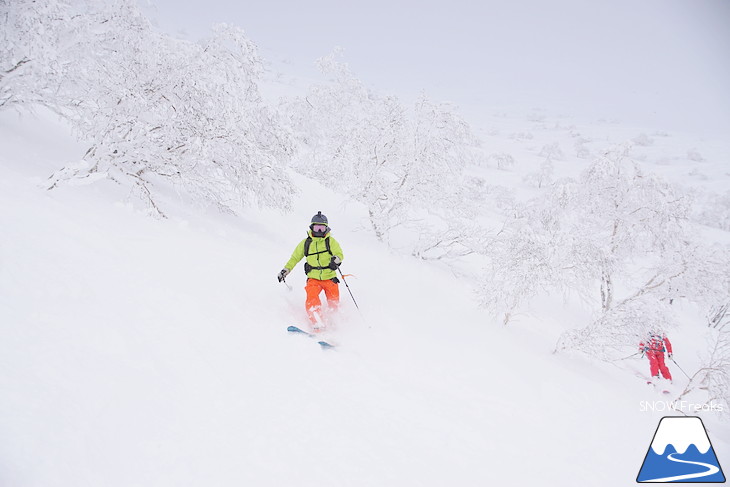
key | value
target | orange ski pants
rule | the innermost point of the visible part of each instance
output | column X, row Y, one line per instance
column 314, row 287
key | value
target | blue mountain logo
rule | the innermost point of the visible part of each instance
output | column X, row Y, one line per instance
column 681, row 452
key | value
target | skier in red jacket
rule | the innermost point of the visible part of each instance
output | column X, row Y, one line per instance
column 654, row 347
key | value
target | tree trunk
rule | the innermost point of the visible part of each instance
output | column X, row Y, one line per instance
column 606, row 290
column 378, row 232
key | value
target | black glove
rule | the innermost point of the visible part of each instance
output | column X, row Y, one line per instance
column 671, row 356
column 335, row 262
column 282, row 275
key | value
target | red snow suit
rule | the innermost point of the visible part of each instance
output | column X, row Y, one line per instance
column 654, row 348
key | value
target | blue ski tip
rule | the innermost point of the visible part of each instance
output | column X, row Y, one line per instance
column 322, row 343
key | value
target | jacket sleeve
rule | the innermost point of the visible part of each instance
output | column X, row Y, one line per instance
column 642, row 347
column 296, row 256
column 336, row 249
column 668, row 344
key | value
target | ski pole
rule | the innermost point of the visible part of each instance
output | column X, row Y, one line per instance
column 283, row 279
column 632, row 355
column 348, row 289
column 680, row 368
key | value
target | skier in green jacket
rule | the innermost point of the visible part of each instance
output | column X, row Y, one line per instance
column 323, row 256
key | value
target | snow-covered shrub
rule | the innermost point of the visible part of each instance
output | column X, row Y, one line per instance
column 694, row 155
column 713, row 210
column 552, row 152
column 643, row 140
column 620, row 328
column 522, row 136
column 502, row 160
column 711, row 382
column 543, row 176
column 501, row 197
column 581, row 151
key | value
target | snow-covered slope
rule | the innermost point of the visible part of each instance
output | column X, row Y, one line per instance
column 136, row 351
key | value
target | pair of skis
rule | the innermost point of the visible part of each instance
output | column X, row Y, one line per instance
column 325, row 345
column 654, row 384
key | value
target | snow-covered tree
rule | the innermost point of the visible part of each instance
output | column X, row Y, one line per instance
column 40, row 44
column 646, row 254
column 698, row 277
column 711, row 382
column 543, row 176
column 618, row 238
column 156, row 110
column 401, row 163
column 552, row 152
column 188, row 113
column 626, row 215
column 502, row 160
column 714, row 211
column 533, row 253
column 581, row 151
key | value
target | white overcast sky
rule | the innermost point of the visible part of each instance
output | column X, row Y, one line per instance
column 650, row 63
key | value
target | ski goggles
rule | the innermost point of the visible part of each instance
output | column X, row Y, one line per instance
column 319, row 228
